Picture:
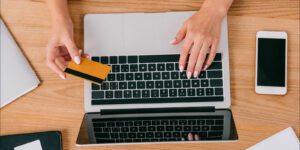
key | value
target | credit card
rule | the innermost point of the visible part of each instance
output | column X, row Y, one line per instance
column 89, row 70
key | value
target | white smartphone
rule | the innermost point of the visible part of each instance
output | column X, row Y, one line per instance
column 271, row 62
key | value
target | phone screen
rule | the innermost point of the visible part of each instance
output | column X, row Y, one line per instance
column 271, row 62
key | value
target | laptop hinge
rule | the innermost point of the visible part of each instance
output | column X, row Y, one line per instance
column 157, row 110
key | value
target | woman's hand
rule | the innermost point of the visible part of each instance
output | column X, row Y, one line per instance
column 201, row 34
column 61, row 47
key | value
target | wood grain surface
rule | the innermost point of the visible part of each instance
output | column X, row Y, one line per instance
column 58, row 104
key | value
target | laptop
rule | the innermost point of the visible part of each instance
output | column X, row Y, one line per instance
column 17, row 76
column 145, row 99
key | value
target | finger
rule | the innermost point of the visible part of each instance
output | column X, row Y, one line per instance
column 74, row 52
column 201, row 57
column 197, row 138
column 184, row 53
column 180, row 35
column 52, row 65
column 193, row 58
column 61, row 62
column 182, row 139
column 190, row 137
column 212, row 54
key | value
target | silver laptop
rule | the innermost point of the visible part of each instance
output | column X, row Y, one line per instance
column 145, row 98
column 17, row 76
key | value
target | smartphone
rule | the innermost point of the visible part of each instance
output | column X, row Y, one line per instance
column 271, row 62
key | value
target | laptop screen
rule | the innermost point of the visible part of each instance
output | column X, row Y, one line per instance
column 157, row 127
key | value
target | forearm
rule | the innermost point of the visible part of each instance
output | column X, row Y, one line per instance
column 59, row 11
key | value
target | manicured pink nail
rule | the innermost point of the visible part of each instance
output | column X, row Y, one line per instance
column 189, row 75
column 180, row 68
column 77, row 60
column 173, row 41
column 62, row 76
column 196, row 74
column 206, row 66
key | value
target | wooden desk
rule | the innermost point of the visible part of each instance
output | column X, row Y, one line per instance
column 58, row 104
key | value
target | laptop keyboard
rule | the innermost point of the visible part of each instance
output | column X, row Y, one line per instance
column 156, row 79
column 157, row 129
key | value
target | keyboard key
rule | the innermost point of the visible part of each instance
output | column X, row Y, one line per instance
column 205, row 128
column 214, row 74
column 104, row 60
column 122, row 60
column 160, row 128
column 209, row 91
column 145, row 93
column 186, row 83
column 104, row 86
column 196, row 128
column 141, row 85
column 127, row 94
column 168, row 84
column 174, row 75
column 181, row 92
column 141, row 135
column 113, row 59
column 143, row 67
column 177, row 83
column 120, row 77
column 218, row 91
column 163, row 93
column 151, row 67
column 131, row 85
column 178, row 128
column 149, row 84
column 115, row 68
column 97, row 94
column 136, row 93
column 156, row 76
column 215, row 65
column 183, row 75
column 133, row 129
column 147, row 76
column 216, row 82
column 138, row 76
column 173, row 92
column 125, row 129
column 195, row 83
column 200, row 92
column 124, row 68
column 182, row 122
column 169, row 128
column 118, row 94
column 159, row 58
column 210, row 122
column 122, row 85
column 158, row 134
column 134, row 68
column 167, row 134
column 96, row 59
column 154, row 93
column 218, row 57
column 191, row 92
column 132, row 135
column 95, row 86
column 202, row 74
column 113, row 85
column 132, row 59
column 161, row 67
column 204, row 83
column 165, row 75
column 219, row 122
column 159, row 84
column 129, row 76
column 109, row 94
column 149, row 135
column 111, row 77
column 170, row 66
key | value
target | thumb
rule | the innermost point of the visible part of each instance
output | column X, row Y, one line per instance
column 74, row 51
column 180, row 35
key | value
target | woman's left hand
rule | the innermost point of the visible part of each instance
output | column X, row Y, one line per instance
column 201, row 34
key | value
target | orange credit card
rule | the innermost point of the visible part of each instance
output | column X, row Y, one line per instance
column 89, row 70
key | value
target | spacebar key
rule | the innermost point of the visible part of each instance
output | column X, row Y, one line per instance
column 158, row 58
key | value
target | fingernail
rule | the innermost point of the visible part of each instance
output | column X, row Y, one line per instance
column 77, row 60
column 182, row 139
column 172, row 41
column 206, row 66
column 189, row 75
column 197, row 137
column 62, row 76
column 196, row 74
column 180, row 68
column 190, row 137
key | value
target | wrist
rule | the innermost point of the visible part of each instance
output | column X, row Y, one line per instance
column 220, row 7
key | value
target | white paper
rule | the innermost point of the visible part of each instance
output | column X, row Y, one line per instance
column 35, row 145
column 283, row 140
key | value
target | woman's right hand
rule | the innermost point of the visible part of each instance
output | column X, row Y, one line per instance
column 61, row 47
